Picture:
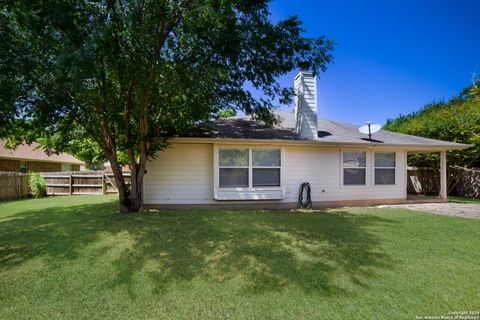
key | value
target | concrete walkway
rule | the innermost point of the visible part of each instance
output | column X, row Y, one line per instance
column 471, row 211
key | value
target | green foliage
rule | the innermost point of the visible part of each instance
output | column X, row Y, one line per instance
column 457, row 120
column 129, row 75
column 38, row 185
column 78, row 143
column 174, row 63
column 475, row 91
column 226, row 114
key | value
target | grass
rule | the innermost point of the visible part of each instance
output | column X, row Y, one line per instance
column 464, row 200
column 75, row 258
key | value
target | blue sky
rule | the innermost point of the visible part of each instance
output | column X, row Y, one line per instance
column 392, row 57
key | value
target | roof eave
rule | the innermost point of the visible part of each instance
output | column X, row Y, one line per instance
column 408, row 147
column 41, row 160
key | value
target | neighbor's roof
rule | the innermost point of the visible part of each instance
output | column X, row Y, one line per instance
column 35, row 152
column 329, row 132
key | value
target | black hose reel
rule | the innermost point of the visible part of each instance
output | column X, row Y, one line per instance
column 304, row 196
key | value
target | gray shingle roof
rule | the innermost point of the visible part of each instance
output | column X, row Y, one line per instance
column 329, row 132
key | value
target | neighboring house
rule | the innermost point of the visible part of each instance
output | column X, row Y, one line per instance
column 108, row 168
column 32, row 157
column 241, row 162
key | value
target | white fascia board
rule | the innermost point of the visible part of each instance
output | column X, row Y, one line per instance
column 406, row 147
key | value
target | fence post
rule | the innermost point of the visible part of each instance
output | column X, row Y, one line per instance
column 70, row 184
column 104, row 184
column 17, row 186
column 20, row 186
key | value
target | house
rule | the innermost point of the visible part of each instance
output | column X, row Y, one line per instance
column 32, row 157
column 242, row 163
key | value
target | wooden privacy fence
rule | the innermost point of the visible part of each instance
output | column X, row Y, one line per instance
column 78, row 182
column 465, row 182
column 461, row 181
column 13, row 185
column 424, row 181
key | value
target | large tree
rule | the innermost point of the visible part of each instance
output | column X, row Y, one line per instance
column 456, row 120
column 130, row 74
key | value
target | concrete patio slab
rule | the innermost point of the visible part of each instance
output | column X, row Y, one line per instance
column 471, row 211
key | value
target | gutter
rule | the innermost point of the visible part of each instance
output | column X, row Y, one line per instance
column 412, row 147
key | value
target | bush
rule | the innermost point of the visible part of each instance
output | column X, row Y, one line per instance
column 38, row 185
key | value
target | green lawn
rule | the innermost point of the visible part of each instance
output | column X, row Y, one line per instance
column 75, row 258
column 464, row 200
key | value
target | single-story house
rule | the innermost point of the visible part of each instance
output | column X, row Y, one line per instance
column 241, row 162
column 32, row 157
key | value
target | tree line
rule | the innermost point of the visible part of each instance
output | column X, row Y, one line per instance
column 456, row 120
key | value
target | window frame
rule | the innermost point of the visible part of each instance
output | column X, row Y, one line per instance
column 249, row 193
column 250, row 167
column 65, row 165
column 24, row 166
column 374, row 168
column 366, row 168
column 233, row 167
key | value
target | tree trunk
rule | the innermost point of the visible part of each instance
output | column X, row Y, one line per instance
column 136, row 190
column 123, row 192
column 130, row 196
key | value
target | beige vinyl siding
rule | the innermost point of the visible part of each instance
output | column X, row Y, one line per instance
column 183, row 174
column 321, row 166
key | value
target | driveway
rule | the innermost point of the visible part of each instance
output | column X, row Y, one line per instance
column 471, row 211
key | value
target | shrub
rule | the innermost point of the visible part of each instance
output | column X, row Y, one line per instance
column 38, row 185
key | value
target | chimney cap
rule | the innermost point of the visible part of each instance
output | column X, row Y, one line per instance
column 302, row 72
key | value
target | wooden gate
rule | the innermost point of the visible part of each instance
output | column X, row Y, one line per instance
column 13, row 185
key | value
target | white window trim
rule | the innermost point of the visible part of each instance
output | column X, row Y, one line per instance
column 256, row 191
column 250, row 176
column 374, row 167
column 367, row 169
column 218, row 167
column 24, row 165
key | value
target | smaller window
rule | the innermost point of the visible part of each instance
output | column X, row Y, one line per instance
column 66, row 167
column 385, row 168
column 266, row 167
column 23, row 166
column 354, row 168
column 233, row 158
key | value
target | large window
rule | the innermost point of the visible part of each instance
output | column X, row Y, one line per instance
column 384, row 168
column 249, row 168
column 354, row 168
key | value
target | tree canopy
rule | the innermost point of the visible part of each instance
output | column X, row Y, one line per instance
column 128, row 75
column 456, row 120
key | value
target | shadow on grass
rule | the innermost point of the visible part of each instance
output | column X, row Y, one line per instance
column 261, row 250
